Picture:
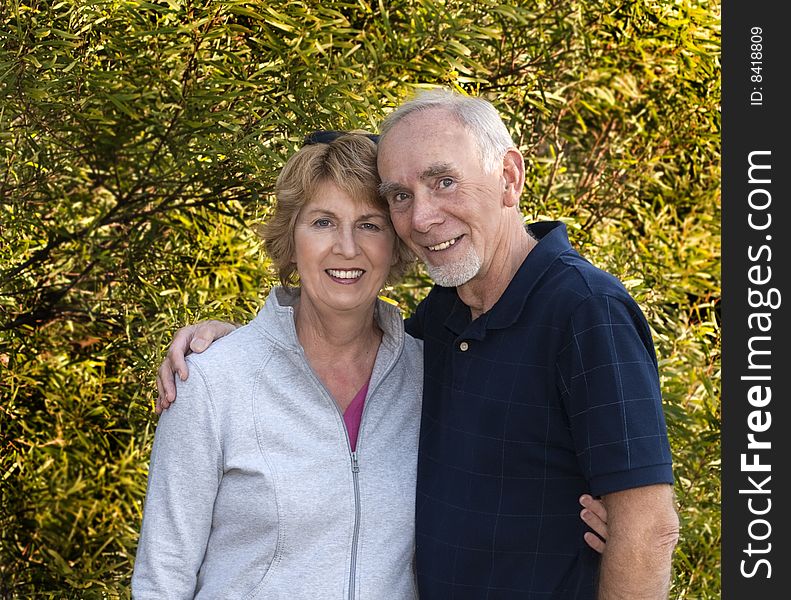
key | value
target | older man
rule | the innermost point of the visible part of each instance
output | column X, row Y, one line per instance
column 541, row 380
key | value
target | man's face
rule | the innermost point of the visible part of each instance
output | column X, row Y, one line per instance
column 443, row 204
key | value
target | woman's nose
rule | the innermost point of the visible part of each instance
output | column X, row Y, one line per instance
column 346, row 243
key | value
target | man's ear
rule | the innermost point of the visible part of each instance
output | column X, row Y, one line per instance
column 513, row 177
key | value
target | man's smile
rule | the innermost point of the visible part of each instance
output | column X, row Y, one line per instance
column 443, row 245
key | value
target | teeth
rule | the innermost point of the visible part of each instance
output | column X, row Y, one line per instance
column 443, row 245
column 351, row 274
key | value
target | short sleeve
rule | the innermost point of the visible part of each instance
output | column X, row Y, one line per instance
column 607, row 374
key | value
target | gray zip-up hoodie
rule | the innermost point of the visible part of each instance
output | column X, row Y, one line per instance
column 253, row 490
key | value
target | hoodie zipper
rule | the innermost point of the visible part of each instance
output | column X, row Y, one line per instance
column 356, row 537
column 356, row 473
column 353, row 454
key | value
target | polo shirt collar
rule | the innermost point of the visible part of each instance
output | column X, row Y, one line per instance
column 553, row 241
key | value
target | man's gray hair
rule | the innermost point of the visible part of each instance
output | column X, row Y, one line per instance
column 477, row 115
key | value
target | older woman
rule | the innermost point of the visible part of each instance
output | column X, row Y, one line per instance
column 261, row 484
column 287, row 468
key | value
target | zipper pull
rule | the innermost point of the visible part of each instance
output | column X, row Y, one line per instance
column 355, row 464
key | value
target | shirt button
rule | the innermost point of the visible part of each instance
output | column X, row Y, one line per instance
column 464, row 346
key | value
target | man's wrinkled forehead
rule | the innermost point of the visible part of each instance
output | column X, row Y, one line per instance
column 426, row 137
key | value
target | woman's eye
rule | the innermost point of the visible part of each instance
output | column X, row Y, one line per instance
column 370, row 226
column 322, row 223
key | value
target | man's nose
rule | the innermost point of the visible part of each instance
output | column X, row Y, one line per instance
column 425, row 212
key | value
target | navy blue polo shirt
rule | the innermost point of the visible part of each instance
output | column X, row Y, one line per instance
column 552, row 393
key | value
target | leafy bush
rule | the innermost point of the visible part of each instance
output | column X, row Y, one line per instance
column 140, row 141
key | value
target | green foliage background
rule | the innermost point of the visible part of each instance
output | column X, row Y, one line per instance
column 140, row 141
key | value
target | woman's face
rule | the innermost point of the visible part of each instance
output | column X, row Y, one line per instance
column 343, row 250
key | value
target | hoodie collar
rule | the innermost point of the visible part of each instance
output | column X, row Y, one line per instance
column 276, row 319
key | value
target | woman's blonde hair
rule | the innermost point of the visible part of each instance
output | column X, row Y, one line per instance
column 349, row 162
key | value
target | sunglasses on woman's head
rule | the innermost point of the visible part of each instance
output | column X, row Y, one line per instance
column 325, row 136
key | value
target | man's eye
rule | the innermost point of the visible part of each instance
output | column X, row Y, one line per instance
column 399, row 197
column 445, row 182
